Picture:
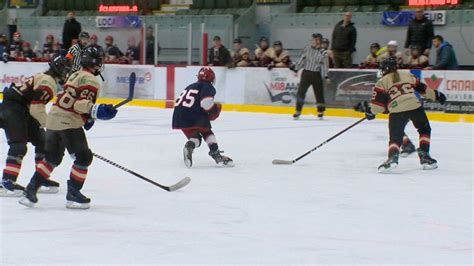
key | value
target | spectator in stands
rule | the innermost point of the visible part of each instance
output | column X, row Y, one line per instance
column 48, row 47
column 57, row 49
column 133, row 52
column 445, row 56
column 71, row 30
column 263, row 53
column 344, row 39
column 280, row 57
column 420, row 32
column 391, row 50
column 218, row 54
column 235, row 53
column 3, row 48
column 416, row 60
column 16, row 45
column 74, row 53
column 26, row 52
column 245, row 60
column 93, row 42
column 371, row 60
column 150, row 47
column 112, row 52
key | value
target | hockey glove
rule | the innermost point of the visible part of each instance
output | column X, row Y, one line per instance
column 215, row 111
column 5, row 58
column 89, row 124
column 369, row 115
column 440, row 97
column 362, row 107
column 103, row 111
column 293, row 68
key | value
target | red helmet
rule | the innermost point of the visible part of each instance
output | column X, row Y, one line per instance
column 109, row 37
column 94, row 37
column 26, row 44
column 206, row 74
column 17, row 34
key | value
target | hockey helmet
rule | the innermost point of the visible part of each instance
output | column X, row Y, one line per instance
column 84, row 35
column 91, row 58
column 59, row 67
column 388, row 65
column 206, row 74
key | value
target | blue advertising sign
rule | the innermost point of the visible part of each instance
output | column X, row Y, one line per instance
column 118, row 22
column 403, row 18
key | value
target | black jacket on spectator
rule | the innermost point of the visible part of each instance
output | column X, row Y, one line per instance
column 420, row 33
column 71, row 30
column 344, row 38
column 150, row 50
column 220, row 57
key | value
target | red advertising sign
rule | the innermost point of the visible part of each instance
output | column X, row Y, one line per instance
column 432, row 2
column 125, row 9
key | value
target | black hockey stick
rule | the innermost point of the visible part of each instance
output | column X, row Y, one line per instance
column 131, row 90
column 182, row 183
column 319, row 146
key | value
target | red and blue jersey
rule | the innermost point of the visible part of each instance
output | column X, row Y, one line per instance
column 193, row 105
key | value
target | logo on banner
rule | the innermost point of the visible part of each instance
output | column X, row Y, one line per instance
column 357, row 85
column 280, row 89
column 403, row 18
column 13, row 79
column 118, row 22
column 433, row 82
column 140, row 79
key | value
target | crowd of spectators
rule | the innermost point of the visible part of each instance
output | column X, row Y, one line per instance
column 420, row 39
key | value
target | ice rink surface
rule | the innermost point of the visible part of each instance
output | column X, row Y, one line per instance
column 331, row 207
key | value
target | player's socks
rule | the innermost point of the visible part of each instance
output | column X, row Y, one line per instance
column 75, row 199
column 188, row 153
column 9, row 188
column 49, row 186
column 426, row 161
column 389, row 164
column 297, row 115
column 29, row 198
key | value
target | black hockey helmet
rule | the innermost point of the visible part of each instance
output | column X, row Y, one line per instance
column 277, row 43
column 325, row 40
column 375, row 45
column 317, row 36
column 388, row 65
column 59, row 67
column 263, row 39
column 84, row 34
column 90, row 58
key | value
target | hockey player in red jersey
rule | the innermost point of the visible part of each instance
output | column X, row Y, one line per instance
column 194, row 110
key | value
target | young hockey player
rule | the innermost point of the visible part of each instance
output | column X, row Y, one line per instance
column 194, row 110
column 23, row 117
column 73, row 107
column 398, row 94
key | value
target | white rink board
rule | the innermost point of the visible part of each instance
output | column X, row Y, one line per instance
column 332, row 207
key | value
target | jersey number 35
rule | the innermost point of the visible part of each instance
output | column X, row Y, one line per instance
column 187, row 98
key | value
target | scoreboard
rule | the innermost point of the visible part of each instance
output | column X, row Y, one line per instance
column 432, row 2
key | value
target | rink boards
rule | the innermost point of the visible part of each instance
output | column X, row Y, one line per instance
column 262, row 91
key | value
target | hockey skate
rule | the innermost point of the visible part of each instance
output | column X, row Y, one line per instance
column 220, row 159
column 75, row 199
column 426, row 161
column 320, row 115
column 407, row 149
column 29, row 198
column 49, row 187
column 188, row 153
column 389, row 165
column 297, row 115
column 9, row 188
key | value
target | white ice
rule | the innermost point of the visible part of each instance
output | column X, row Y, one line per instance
column 331, row 207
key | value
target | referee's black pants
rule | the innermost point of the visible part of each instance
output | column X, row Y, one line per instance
column 309, row 78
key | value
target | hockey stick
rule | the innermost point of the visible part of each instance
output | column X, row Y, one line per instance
column 182, row 183
column 131, row 90
column 319, row 146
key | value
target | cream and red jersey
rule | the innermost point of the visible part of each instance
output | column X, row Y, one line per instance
column 35, row 93
column 394, row 95
column 75, row 102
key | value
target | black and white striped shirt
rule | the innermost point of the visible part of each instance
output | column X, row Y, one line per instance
column 314, row 59
column 75, row 51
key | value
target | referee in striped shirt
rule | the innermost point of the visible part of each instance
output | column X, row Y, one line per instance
column 314, row 62
column 74, row 53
